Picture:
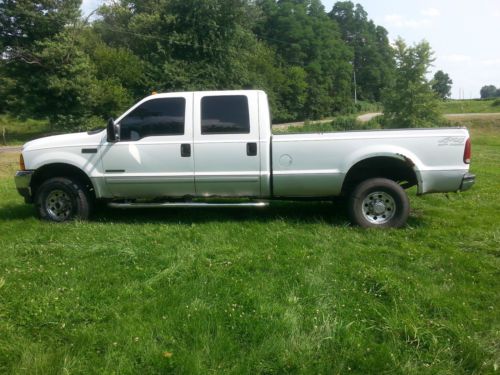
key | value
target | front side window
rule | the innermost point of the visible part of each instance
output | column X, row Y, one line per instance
column 156, row 117
column 226, row 114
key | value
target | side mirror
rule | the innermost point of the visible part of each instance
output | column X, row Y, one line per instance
column 113, row 131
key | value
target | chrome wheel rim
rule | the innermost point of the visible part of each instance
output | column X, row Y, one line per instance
column 58, row 205
column 378, row 207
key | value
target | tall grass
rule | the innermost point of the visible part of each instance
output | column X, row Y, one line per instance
column 469, row 106
column 18, row 131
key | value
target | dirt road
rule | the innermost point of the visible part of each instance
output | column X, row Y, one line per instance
column 10, row 149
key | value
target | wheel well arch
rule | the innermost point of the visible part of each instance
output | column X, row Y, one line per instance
column 399, row 170
column 47, row 171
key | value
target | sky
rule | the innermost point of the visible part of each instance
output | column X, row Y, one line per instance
column 464, row 35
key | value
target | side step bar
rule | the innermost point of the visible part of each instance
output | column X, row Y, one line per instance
column 186, row 204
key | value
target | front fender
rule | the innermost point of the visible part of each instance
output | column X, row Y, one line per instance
column 89, row 163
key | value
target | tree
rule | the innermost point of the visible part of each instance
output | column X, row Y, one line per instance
column 188, row 44
column 373, row 60
column 311, row 50
column 64, row 87
column 31, row 56
column 55, row 65
column 23, row 22
column 441, row 84
column 489, row 91
column 409, row 101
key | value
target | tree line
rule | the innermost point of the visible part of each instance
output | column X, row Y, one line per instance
column 490, row 91
column 55, row 64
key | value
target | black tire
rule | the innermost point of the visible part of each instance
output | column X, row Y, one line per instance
column 62, row 199
column 379, row 203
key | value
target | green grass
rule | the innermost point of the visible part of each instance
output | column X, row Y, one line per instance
column 288, row 289
column 485, row 131
column 19, row 131
column 470, row 106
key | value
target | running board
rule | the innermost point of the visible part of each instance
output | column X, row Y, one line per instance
column 186, row 204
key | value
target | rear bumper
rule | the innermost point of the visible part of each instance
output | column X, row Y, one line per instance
column 445, row 181
column 23, row 182
column 467, row 181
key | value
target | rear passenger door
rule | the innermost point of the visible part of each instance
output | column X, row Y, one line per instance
column 226, row 144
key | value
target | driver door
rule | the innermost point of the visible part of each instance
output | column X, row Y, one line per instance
column 154, row 156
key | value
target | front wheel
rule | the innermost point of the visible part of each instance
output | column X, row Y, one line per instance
column 61, row 199
column 379, row 203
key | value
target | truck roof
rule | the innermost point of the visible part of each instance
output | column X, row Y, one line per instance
column 206, row 92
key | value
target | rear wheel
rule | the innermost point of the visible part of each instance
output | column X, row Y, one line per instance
column 379, row 203
column 62, row 199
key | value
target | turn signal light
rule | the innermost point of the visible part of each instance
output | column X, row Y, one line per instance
column 22, row 167
column 467, row 151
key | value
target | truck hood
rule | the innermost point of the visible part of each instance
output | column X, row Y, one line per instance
column 66, row 140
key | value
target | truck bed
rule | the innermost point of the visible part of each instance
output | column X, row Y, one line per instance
column 308, row 165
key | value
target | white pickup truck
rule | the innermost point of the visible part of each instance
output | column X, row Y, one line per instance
column 181, row 149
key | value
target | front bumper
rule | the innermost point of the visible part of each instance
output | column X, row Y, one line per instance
column 467, row 181
column 23, row 184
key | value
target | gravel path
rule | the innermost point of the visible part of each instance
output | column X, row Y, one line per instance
column 10, row 149
column 368, row 116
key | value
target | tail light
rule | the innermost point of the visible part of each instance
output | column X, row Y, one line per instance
column 467, row 151
column 22, row 167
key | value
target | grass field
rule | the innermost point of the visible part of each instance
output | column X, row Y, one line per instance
column 288, row 289
column 471, row 106
column 14, row 131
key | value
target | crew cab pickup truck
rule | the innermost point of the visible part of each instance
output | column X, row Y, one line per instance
column 181, row 149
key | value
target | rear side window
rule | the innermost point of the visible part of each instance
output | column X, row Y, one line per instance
column 225, row 115
column 163, row 116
